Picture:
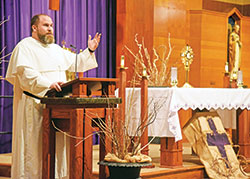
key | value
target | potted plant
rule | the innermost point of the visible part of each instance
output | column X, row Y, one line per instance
column 124, row 159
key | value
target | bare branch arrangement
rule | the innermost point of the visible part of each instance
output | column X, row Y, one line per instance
column 125, row 143
column 157, row 67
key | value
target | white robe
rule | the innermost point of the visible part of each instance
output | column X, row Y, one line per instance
column 33, row 67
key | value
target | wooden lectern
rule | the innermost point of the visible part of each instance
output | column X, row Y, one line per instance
column 87, row 99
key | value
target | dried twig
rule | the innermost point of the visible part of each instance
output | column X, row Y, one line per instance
column 1, row 58
column 2, row 22
column 157, row 68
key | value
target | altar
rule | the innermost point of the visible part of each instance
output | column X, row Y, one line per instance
column 167, row 123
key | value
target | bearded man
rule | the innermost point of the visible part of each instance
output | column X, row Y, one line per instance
column 37, row 65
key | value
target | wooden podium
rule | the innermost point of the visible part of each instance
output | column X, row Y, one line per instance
column 74, row 114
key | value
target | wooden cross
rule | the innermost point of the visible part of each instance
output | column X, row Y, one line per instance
column 54, row 4
column 218, row 140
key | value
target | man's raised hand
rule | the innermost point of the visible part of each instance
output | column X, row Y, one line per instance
column 93, row 43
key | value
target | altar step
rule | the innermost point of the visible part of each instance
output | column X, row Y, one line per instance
column 192, row 167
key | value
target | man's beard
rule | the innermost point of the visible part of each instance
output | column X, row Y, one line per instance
column 47, row 38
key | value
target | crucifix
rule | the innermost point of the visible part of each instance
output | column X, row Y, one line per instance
column 218, row 140
column 54, row 4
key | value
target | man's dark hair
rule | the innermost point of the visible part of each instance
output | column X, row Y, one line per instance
column 35, row 20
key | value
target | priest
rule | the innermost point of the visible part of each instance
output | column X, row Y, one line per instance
column 37, row 65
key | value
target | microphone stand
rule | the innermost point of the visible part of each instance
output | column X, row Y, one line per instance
column 75, row 60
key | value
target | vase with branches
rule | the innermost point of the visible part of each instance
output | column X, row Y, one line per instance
column 124, row 157
column 125, row 141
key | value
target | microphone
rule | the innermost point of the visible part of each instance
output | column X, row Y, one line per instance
column 72, row 46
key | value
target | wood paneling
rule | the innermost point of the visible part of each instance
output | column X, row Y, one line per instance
column 244, row 133
column 133, row 17
column 208, row 37
column 215, row 5
column 170, row 17
column 195, row 43
column 120, row 32
column 246, row 10
column 219, row 6
column 201, row 24
column 245, row 56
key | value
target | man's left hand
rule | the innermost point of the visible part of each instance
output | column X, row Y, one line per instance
column 93, row 44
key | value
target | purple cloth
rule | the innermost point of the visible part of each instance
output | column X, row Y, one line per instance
column 218, row 140
column 72, row 23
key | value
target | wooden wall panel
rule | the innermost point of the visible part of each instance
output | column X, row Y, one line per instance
column 218, row 6
column 213, row 48
column 170, row 17
column 120, row 32
column 209, row 48
column 245, row 56
column 208, row 37
column 194, row 4
column 195, row 43
column 201, row 24
column 133, row 17
column 246, row 10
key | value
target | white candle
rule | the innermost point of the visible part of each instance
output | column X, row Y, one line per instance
column 144, row 72
column 240, row 77
column 173, row 74
column 122, row 61
column 226, row 67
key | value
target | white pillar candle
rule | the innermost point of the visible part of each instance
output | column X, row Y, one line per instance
column 173, row 74
column 122, row 62
column 144, row 72
column 240, row 77
column 226, row 67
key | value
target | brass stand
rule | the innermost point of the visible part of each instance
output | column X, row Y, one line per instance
column 187, row 56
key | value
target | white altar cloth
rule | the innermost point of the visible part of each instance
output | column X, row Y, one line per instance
column 173, row 99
